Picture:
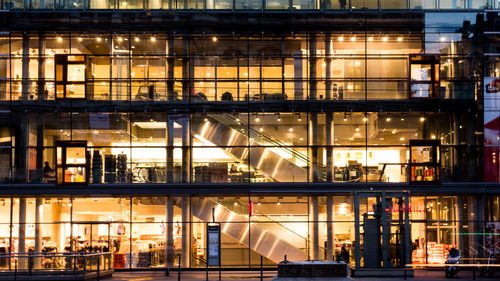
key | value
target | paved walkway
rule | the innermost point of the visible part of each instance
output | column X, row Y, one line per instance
column 424, row 275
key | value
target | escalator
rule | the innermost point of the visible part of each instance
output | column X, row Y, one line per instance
column 259, row 239
column 275, row 159
column 270, row 157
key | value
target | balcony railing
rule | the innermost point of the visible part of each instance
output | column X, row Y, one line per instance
column 71, row 264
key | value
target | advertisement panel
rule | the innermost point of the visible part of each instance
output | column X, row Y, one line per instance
column 491, row 129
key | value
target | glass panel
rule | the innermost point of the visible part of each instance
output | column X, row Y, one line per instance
column 74, row 175
column 75, row 155
column 75, row 91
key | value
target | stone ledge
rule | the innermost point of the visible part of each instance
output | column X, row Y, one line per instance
column 381, row 272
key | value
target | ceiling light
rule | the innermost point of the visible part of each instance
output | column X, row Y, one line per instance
column 214, row 39
column 400, row 39
column 353, row 39
column 136, row 39
column 120, row 39
column 153, row 39
column 98, row 39
column 341, row 38
column 80, row 39
column 290, row 130
column 59, row 39
column 261, row 129
column 385, row 39
column 370, row 39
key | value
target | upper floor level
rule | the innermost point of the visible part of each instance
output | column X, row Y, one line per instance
column 250, row 5
column 161, row 67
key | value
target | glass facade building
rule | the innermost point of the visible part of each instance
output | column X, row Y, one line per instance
column 129, row 126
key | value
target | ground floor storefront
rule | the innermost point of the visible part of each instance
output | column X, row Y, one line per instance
column 155, row 231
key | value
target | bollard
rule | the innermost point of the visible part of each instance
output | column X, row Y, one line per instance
column 261, row 270
column 179, row 274
column 15, row 270
column 98, row 268
column 30, row 260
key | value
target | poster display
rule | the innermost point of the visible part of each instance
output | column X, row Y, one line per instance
column 213, row 244
column 491, row 129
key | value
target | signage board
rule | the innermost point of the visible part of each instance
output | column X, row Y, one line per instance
column 213, row 244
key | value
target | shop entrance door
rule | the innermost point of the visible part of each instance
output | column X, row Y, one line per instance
column 382, row 222
column 91, row 236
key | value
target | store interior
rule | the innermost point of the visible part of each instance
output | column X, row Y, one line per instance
column 135, row 229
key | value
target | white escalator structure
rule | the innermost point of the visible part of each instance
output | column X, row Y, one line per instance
column 267, row 155
column 263, row 241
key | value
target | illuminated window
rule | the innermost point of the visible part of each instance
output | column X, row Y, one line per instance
column 71, row 164
column 71, row 72
column 424, row 161
column 424, row 75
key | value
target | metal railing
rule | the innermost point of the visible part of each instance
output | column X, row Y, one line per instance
column 48, row 263
column 250, row 5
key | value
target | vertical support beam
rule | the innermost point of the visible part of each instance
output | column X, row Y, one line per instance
column 39, row 146
column 315, row 227
column 313, row 140
column 170, row 150
column 56, row 227
column 329, row 228
column 186, row 235
column 385, row 229
column 170, row 69
column 25, row 67
column 186, row 66
column 407, row 230
column 480, row 219
column 459, row 209
column 22, row 233
column 298, row 75
column 312, row 68
column 357, row 241
column 38, row 232
column 186, row 149
column 21, row 151
column 42, row 95
column 329, row 146
column 328, row 66
column 456, row 154
column 170, row 251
